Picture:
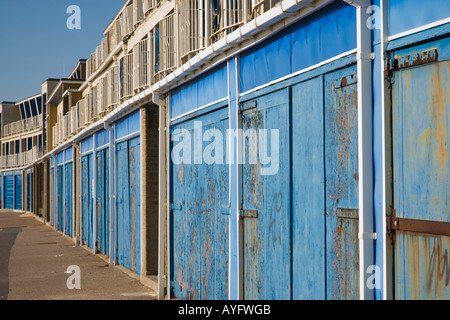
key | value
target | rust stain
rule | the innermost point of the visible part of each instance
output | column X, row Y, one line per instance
column 439, row 114
column 181, row 173
column 346, row 265
column 425, row 263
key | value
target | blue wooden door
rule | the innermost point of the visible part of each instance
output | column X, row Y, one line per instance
column 60, row 198
column 308, row 183
column 68, row 199
column 128, row 205
column 300, row 224
column 86, row 201
column 341, row 176
column 421, row 142
column 199, row 210
column 2, row 198
column 9, row 192
column 102, row 164
column 53, row 193
column 266, row 209
column 29, row 192
column 18, row 192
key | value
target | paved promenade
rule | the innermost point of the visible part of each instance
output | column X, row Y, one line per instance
column 34, row 260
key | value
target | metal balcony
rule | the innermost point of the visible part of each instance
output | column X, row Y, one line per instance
column 20, row 159
column 22, row 126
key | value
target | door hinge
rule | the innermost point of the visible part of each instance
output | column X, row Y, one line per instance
column 248, row 105
column 176, row 206
column 396, row 62
column 437, row 228
column 250, row 214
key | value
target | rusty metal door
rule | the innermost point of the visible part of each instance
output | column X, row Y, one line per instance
column 199, row 208
column 421, row 141
column 265, row 212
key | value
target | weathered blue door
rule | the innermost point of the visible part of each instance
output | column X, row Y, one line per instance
column 128, row 205
column 68, row 199
column 421, row 142
column 18, row 192
column 102, row 163
column 341, row 176
column 2, row 198
column 86, row 200
column 60, row 198
column 266, row 198
column 308, row 180
column 300, row 222
column 29, row 192
column 199, row 210
column 53, row 193
column 9, row 192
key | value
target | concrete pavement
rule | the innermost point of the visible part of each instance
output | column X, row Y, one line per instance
column 34, row 259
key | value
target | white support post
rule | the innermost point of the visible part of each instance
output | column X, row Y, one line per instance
column 388, row 293
column 365, row 145
column 168, row 200
column 112, row 197
column 93, row 184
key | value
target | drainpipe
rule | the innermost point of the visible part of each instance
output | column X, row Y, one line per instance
column 366, row 235
column 387, row 174
column 93, row 186
column 167, row 195
column 112, row 194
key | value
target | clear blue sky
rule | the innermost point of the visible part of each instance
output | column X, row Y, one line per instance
column 35, row 43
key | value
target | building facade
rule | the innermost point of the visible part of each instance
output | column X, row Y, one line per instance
column 290, row 149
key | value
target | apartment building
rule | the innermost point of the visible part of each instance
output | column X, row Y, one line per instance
column 251, row 149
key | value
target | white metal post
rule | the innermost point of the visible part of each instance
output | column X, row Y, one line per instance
column 94, row 194
column 365, row 145
column 168, row 200
column 161, row 198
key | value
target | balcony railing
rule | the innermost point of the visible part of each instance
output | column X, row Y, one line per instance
column 127, row 21
column 166, row 41
column 191, row 28
column 113, row 87
column 176, row 38
column 138, row 11
column 126, row 76
column 261, row 6
column 20, row 159
column 22, row 126
column 225, row 17
column 149, row 5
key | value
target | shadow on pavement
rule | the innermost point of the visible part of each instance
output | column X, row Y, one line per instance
column 7, row 239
